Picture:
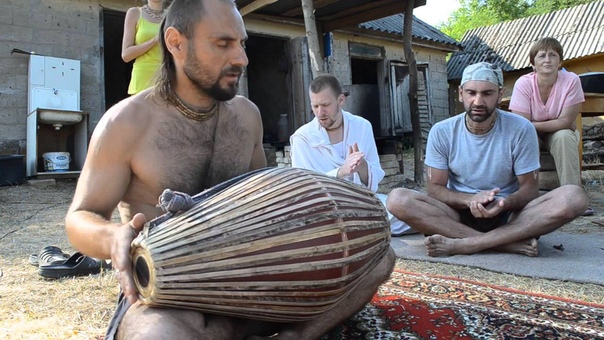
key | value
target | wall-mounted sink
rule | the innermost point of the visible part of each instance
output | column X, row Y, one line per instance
column 58, row 118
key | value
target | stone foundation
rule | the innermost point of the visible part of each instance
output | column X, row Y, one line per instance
column 391, row 163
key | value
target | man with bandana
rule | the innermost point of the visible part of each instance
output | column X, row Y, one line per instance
column 482, row 170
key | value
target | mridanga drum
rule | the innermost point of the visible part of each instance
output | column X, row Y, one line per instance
column 278, row 244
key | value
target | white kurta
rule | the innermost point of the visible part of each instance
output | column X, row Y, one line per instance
column 311, row 149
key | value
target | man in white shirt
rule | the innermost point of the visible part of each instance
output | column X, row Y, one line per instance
column 339, row 143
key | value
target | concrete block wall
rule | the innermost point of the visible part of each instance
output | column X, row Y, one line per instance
column 58, row 28
column 439, row 88
column 283, row 158
column 339, row 65
column 72, row 29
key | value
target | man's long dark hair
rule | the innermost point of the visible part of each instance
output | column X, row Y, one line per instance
column 183, row 15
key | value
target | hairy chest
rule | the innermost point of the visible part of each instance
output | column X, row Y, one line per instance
column 192, row 156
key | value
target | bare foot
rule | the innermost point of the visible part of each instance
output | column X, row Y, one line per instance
column 438, row 245
column 528, row 247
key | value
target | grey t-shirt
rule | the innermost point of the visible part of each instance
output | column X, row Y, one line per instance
column 484, row 162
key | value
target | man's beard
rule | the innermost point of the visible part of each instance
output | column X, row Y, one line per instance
column 199, row 77
column 480, row 118
column 330, row 124
column 333, row 123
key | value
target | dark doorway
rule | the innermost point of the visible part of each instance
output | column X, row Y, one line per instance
column 364, row 98
column 269, row 84
column 117, row 72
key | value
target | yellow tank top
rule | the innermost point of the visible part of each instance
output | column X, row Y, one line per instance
column 145, row 66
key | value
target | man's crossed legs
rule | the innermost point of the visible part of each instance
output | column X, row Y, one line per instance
column 446, row 235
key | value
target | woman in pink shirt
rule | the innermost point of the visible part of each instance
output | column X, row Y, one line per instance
column 551, row 97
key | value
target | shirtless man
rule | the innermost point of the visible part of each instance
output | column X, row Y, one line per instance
column 188, row 133
column 483, row 179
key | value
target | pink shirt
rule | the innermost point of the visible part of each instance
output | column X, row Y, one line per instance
column 567, row 91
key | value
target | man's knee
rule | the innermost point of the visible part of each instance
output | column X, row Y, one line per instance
column 386, row 266
column 571, row 201
column 563, row 137
column 576, row 200
column 161, row 323
column 399, row 201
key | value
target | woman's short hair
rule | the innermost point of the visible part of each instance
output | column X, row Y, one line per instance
column 545, row 44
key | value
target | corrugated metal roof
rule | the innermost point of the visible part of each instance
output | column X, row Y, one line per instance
column 579, row 29
column 421, row 30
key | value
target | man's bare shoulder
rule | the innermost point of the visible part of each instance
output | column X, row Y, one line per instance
column 136, row 113
column 243, row 105
column 245, row 110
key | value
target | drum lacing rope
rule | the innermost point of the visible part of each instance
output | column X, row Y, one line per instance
column 175, row 201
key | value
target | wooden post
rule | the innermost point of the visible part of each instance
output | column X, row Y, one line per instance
column 413, row 105
column 314, row 48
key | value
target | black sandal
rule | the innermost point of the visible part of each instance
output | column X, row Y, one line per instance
column 588, row 212
column 77, row 265
column 47, row 255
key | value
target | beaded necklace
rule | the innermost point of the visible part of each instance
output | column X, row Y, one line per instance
column 192, row 113
column 480, row 130
column 154, row 14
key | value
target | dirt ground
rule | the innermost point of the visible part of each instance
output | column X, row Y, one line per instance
column 32, row 307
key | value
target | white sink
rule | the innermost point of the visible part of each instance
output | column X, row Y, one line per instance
column 58, row 118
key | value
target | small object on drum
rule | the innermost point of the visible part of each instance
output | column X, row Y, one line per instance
column 277, row 244
column 174, row 201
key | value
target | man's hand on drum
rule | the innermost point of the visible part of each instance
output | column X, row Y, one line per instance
column 354, row 161
column 120, row 254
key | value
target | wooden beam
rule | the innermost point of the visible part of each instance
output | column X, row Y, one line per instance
column 364, row 7
column 274, row 18
column 314, row 48
column 387, row 8
column 298, row 10
column 256, row 5
column 413, row 92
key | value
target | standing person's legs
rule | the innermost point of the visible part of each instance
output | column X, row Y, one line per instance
column 564, row 147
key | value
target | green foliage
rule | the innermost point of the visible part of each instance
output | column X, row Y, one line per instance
column 478, row 13
column 546, row 6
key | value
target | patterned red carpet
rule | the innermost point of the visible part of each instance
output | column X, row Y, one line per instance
column 414, row 306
